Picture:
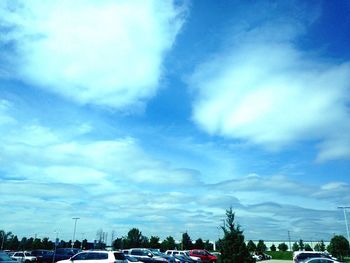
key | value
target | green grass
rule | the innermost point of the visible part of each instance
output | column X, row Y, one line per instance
column 287, row 255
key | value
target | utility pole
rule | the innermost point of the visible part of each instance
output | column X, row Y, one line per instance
column 290, row 244
column 112, row 238
column 346, row 220
column 3, row 240
column 75, row 227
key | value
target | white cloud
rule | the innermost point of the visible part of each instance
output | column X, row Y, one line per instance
column 265, row 91
column 107, row 53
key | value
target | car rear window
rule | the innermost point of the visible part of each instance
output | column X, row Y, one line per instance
column 119, row 256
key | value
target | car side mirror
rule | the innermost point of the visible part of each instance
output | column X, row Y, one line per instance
column 150, row 255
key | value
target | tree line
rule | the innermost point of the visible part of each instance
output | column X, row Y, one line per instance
column 232, row 245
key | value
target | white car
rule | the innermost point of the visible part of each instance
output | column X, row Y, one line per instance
column 24, row 257
column 321, row 260
column 96, row 257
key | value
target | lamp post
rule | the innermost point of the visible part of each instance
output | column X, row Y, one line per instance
column 3, row 239
column 75, row 227
column 346, row 220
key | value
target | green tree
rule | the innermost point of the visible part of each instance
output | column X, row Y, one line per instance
column 339, row 247
column 301, row 245
column 251, row 246
column 261, row 247
column 13, row 243
column 36, row 243
column 282, row 247
column 85, row 244
column 208, row 246
column 273, row 247
column 77, row 244
column 168, row 243
column 4, row 237
column 154, row 242
column 295, row 246
column 134, row 238
column 232, row 246
column 199, row 244
column 119, row 243
column 186, row 242
column 308, row 247
column 321, row 246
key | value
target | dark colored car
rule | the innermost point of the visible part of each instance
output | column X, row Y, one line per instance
column 145, row 255
column 59, row 254
column 204, row 255
column 39, row 253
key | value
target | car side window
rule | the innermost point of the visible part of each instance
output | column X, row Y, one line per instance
column 81, row 256
column 136, row 252
column 100, row 256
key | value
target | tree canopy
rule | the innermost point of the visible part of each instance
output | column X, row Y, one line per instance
column 232, row 246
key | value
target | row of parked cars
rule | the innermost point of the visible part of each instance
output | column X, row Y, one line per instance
column 134, row 255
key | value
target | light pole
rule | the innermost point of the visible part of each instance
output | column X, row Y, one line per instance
column 75, row 227
column 3, row 239
column 346, row 220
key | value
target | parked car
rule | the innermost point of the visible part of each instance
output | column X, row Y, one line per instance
column 98, row 256
column 321, row 260
column 204, row 255
column 24, row 257
column 39, row 253
column 183, row 259
column 258, row 256
column 145, row 255
column 5, row 258
column 185, row 254
column 157, row 253
column 59, row 254
column 303, row 256
column 131, row 259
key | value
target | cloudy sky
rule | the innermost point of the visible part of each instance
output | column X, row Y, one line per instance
column 160, row 115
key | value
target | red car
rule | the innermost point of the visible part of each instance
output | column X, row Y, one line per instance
column 204, row 255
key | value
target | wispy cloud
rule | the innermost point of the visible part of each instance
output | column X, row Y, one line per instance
column 107, row 53
column 263, row 90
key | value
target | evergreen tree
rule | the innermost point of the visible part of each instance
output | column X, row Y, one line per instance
column 301, row 245
column 186, row 242
column 322, row 246
column 199, row 244
column 261, row 247
column 295, row 246
column 154, row 242
column 282, row 247
column 134, row 238
column 273, row 247
column 308, row 247
column 251, row 246
column 232, row 246
column 168, row 244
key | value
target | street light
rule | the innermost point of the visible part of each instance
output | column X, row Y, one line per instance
column 75, row 227
column 346, row 220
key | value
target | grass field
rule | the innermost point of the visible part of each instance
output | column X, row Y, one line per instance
column 287, row 255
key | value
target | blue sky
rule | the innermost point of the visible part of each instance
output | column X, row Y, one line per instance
column 160, row 115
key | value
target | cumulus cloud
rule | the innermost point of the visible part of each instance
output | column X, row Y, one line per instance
column 264, row 90
column 106, row 53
